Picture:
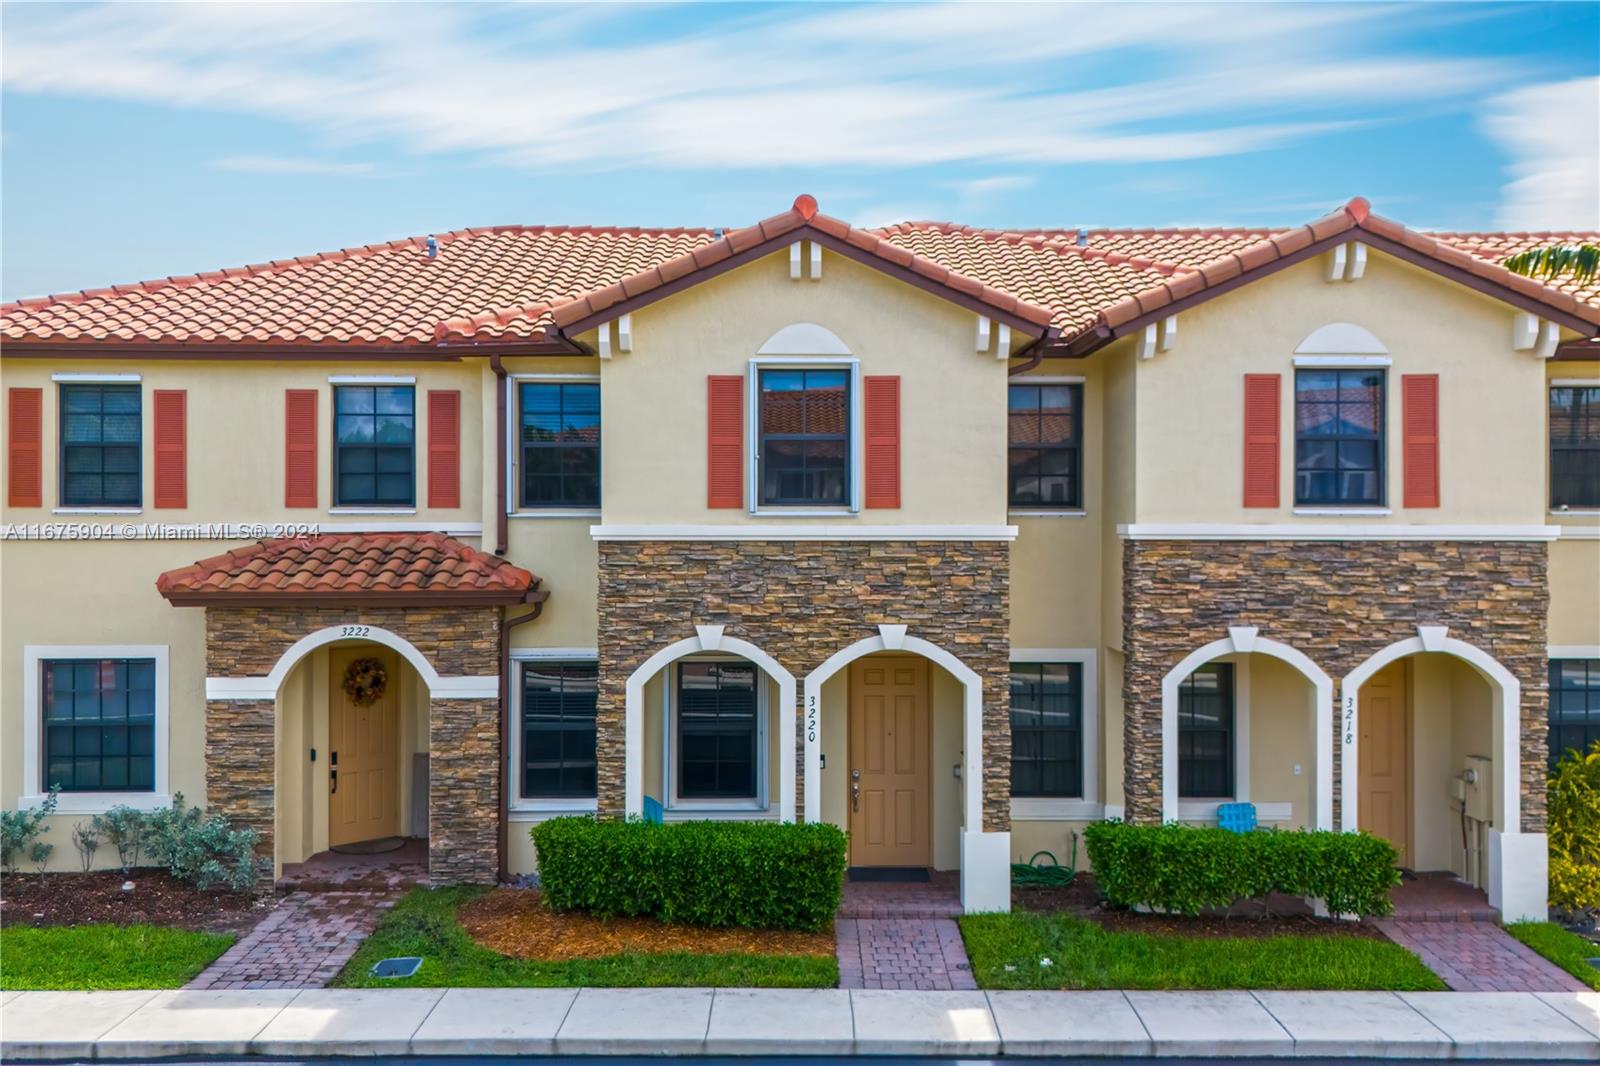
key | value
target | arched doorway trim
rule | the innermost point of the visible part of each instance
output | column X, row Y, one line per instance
column 1507, row 702
column 1243, row 640
column 486, row 686
column 706, row 638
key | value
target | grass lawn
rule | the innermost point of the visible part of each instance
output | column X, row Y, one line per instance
column 105, row 956
column 424, row 923
column 1008, row 951
column 1567, row 950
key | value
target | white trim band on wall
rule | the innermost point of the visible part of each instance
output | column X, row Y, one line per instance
column 1326, row 531
column 90, row 378
column 731, row 531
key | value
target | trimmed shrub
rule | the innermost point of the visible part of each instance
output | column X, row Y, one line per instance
column 124, row 827
column 1574, row 804
column 20, row 832
column 756, row 875
column 204, row 850
column 1186, row 869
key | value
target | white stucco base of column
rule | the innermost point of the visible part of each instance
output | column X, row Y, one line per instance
column 985, row 872
column 1519, row 875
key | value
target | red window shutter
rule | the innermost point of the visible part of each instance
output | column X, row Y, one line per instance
column 881, row 400
column 1261, row 439
column 1419, row 416
column 444, row 448
column 25, row 448
column 725, row 434
column 171, row 447
column 300, row 448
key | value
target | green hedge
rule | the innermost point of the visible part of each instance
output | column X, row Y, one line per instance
column 758, row 875
column 1184, row 869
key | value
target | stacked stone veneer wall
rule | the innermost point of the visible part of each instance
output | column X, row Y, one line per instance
column 800, row 602
column 464, row 739
column 1339, row 603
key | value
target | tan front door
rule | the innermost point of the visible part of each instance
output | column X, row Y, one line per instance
column 889, row 762
column 363, row 755
column 1384, row 764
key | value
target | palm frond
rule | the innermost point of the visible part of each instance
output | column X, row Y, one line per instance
column 1582, row 261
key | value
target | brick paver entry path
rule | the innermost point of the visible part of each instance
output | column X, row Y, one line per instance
column 901, row 936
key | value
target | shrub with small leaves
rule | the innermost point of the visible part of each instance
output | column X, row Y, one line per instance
column 204, row 850
column 123, row 827
column 20, row 832
column 1185, row 869
column 86, row 838
column 1574, row 806
column 756, row 875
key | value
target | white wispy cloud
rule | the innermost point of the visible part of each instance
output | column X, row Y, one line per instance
column 890, row 85
column 266, row 164
column 1551, row 131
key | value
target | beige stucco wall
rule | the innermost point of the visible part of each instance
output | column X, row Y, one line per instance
column 1451, row 718
column 1282, row 737
column 654, row 435
column 1190, row 421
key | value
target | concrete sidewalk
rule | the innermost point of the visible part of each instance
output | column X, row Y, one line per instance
column 694, row 1021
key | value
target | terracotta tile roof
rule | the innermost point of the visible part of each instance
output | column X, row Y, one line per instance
column 527, row 284
column 393, row 568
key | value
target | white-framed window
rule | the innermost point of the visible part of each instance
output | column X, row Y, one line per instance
column 553, row 445
column 95, row 722
column 1073, row 674
column 551, row 756
column 714, row 735
column 803, row 442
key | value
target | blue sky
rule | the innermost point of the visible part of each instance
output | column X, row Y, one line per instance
column 144, row 140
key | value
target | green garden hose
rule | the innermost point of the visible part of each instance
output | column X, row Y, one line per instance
column 1033, row 874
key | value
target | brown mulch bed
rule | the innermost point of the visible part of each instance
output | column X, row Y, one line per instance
column 515, row 922
column 1290, row 917
column 157, row 899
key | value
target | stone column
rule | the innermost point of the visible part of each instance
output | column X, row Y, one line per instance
column 241, row 760
column 463, row 790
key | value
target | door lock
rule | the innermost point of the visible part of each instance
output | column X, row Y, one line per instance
column 855, row 790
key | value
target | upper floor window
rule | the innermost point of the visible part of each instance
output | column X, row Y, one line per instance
column 1574, row 706
column 560, row 442
column 374, row 453
column 1046, row 729
column 1045, row 445
column 99, row 724
column 559, row 703
column 804, row 438
column 1338, row 437
column 1205, row 733
column 717, row 730
column 100, row 446
column 1575, row 446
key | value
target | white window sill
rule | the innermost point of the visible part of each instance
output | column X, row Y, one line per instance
column 372, row 510
column 718, row 814
column 1576, row 512
column 98, row 802
column 554, row 806
column 1362, row 512
column 557, row 512
column 1055, row 809
column 804, row 512
column 1063, row 513
column 1206, row 810
column 97, row 510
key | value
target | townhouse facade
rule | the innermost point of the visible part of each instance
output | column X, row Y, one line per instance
column 959, row 539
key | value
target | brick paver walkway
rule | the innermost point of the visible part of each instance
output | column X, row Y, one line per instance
column 890, row 935
column 303, row 943
column 1480, row 957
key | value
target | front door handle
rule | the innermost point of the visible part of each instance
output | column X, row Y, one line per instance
column 855, row 790
column 333, row 772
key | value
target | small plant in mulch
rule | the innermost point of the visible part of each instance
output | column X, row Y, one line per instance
column 157, row 898
column 517, row 923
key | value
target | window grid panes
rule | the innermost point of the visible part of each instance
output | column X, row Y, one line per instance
column 717, row 730
column 1045, row 435
column 804, row 456
column 558, row 729
column 1046, row 730
column 1574, row 706
column 1575, row 446
column 99, row 724
column 1205, row 733
column 560, row 435
column 375, row 433
column 1338, row 437
column 100, row 446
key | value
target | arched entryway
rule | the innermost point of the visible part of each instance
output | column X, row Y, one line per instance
column 1233, row 692
column 1423, row 722
column 895, row 666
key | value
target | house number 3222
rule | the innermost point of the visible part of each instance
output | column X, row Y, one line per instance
column 355, row 631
